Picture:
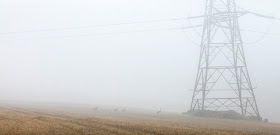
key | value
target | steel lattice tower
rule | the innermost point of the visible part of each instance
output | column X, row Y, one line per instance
column 223, row 82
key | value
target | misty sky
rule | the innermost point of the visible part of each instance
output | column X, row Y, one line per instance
column 139, row 69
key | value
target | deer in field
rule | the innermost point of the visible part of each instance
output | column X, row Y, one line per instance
column 124, row 110
column 158, row 112
column 266, row 120
column 95, row 108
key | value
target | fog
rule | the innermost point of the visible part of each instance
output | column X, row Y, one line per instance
column 107, row 66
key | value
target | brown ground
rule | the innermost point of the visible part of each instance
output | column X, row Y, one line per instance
column 17, row 121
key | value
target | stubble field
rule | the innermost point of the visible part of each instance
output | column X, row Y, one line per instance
column 19, row 121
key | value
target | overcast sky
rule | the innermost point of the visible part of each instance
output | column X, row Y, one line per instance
column 140, row 69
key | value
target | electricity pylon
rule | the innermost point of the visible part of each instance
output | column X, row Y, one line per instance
column 223, row 82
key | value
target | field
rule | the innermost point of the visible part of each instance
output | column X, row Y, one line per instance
column 23, row 121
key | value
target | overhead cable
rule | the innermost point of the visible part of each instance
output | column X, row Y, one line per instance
column 101, row 25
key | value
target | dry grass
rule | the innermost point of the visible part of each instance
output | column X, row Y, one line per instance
column 30, row 122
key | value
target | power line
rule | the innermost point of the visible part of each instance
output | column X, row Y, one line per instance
column 262, row 37
column 127, row 32
column 257, row 14
column 124, row 32
column 193, row 42
column 264, row 16
column 263, row 33
column 266, row 33
column 102, row 25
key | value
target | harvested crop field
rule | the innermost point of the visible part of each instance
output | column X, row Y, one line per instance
column 19, row 121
